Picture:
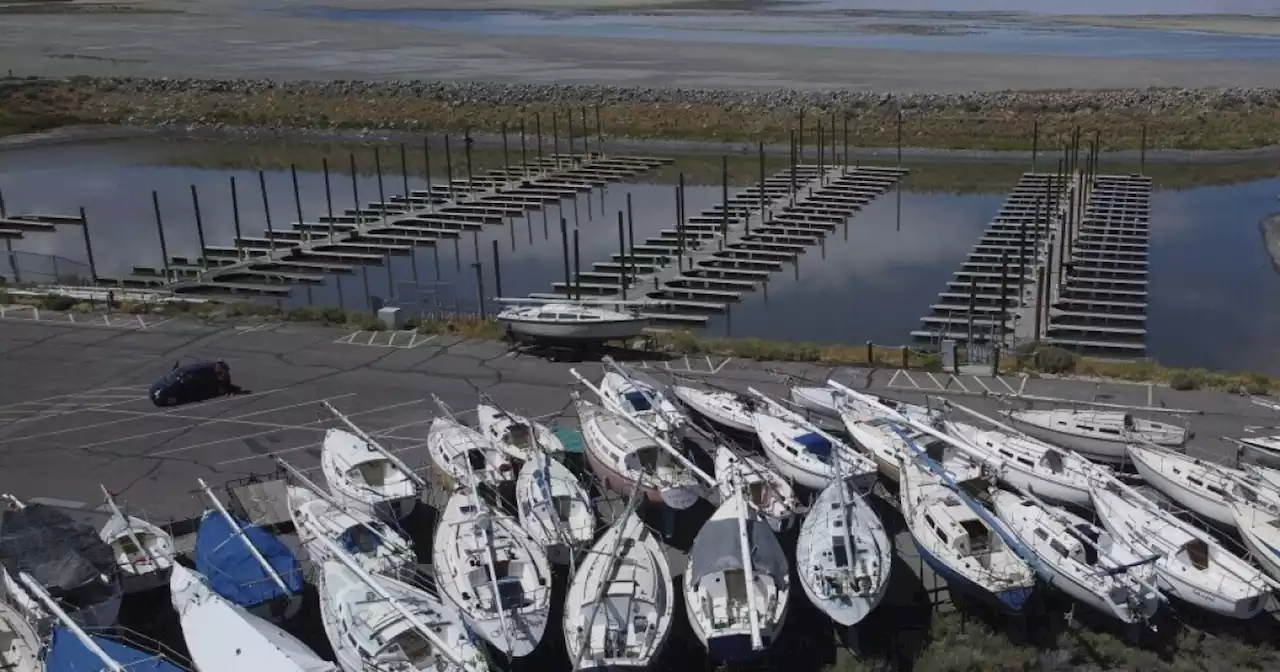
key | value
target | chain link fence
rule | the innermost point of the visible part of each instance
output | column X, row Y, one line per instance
column 34, row 268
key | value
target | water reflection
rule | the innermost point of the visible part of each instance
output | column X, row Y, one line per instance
column 1213, row 302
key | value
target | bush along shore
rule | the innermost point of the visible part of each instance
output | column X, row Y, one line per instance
column 1032, row 359
column 1166, row 118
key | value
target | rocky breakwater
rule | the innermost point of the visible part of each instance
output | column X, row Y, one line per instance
column 1177, row 118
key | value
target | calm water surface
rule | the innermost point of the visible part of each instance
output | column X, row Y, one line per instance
column 1215, row 297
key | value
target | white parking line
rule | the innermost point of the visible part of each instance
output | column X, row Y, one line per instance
column 304, row 426
column 54, row 398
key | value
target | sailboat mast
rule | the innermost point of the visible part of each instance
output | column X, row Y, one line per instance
column 52, row 605
column 128, row 528
column 436, row 643
column 841, row 484
column 409, row 473
column 315, row 489
column 748, row 572
column 478, row 506
column 614, row 560
column 239, row 532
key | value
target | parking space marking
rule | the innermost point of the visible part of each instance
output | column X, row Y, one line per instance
column 56, row 397
column 687, row 366
column 387, row 339
column 156, row 414
column 25, row 313
column 304, row 427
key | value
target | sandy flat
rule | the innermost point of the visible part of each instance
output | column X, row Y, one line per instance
column 230, row 39
column 1265, row 26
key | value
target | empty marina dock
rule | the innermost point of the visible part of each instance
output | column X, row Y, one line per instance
column 708, row 261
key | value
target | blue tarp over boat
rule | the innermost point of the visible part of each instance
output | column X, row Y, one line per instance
column 232, row 570
column 816, row 444
column 68, row 654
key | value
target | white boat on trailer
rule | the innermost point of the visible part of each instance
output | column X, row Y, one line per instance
column 1100, row 435
column 517, row 436
column 1191, row 566
column 620, row 604
column 380, row 623
column 722, row 407
column 364, row 475
column 1203, row 488
column 573, row 321
column 494, row 571
column 1082, row 561
column 737, row 583
column 766, row 488
column 462, row 453
column 142, row 550
column 554, row 507
column 640, row 400
column 843, row 555
column 222, row 635
column 803, row 452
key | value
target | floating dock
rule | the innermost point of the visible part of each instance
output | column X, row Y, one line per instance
column 1015, row 287
column 710, row 260
column 306, row 251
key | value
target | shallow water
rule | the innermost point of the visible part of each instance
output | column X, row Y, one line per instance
column 823, row 25
column 1214, row 295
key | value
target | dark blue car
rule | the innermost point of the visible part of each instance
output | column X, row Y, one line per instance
column 190, row 383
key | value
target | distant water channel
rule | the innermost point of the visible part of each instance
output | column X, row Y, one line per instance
column 1215, row 296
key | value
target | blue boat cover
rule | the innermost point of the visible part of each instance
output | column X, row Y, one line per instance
column 68, row 654
column 815, row 444
column 232, row 570
column 638, row 401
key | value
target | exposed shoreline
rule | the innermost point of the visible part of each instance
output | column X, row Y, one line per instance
column 1271, row 238
column 1169, row 119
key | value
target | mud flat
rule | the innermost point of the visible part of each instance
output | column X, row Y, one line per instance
column 1271, row 238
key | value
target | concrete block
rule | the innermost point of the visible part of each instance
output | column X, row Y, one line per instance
column 392, row 317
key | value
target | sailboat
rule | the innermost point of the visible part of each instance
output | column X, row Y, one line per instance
column 768, row 491
column 554, row 508
column 726, row 409
column 1204, row 488
column 222, row 635
column 365, row 476
column 72, row 649
column 1191, row 565
column 1266, row 475
column 496, row 574
column 517, row 436
column 460, row 452
column 1100, row 435
column 831, row 401
column 245, row 564
column 1263, row 450
column 640, row 400
column 1029, row 465
column 64, row 556
column 19, row 644
column 143, row 551
column 802, row 452
column 619, row 607
column 380, row 623
column 1080, row 560
column 626, row 453
column 1259, row 525
column 843, row 555
column 958, row 543
column 736, row 583
column 375, row 545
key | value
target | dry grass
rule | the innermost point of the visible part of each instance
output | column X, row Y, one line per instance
column 91, row 101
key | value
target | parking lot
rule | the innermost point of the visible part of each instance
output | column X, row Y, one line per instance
column 74, row 412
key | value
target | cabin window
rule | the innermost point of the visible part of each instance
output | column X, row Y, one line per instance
column 1195, row 481
column 837, row 552
column 1217, row 491
column 1109, row 430
column 1042, row 534
column 937, row 529
column 1128, row 421
column 1006, row 453
column 1057, row 546
column 1027, row 462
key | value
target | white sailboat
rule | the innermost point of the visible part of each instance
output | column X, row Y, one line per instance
column 571, row 322
column 316, row 516
column 1028, row 465
column 1080, row 560
column 803, row 452
column 843, row 555
column 726, row 409
column 365, row 476
column 461, row 453
column 554, row 508
column 1191, row 565
column 831, row 401
column 221, row 635
column 1262, row 450
column 1259, row 526
column 1264, row 474
column 496, row 574
column 737, row 583
column 1204, row 488
column 619, row 607
column 1100, row 435
column 767, row 490
column 517, row 436
column 640, row 400
column 379, row 623
column 19, row 644
column 142, row 550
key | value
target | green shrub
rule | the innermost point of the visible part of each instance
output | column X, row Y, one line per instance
column 1056, row 360
column 1184, row 380
column 5, row 299
column 57, row 302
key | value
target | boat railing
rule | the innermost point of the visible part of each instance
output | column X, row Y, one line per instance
column 138, row 641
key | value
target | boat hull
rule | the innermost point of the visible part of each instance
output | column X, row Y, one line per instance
column 387, row 509
column 735, row 647
column 1197, row 502
column 1012, row 599
column 850, row 614
column 607, row 331
column 1260, row 455
column 1050, row 489
column 1266, row 552
column 1094, row 449
column 676, row 498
